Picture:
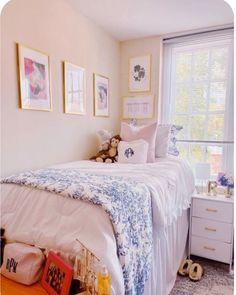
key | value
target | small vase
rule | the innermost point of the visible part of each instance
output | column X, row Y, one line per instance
column 229, row 192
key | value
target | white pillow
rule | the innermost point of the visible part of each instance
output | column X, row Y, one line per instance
column 162, row 140
column 134, row 152
column 146, row 132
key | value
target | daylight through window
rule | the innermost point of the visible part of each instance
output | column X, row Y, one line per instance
column 200, row 98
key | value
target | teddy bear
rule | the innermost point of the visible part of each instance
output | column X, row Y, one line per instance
column 109, row 155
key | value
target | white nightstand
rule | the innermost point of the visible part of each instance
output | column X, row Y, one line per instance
column 211, row 227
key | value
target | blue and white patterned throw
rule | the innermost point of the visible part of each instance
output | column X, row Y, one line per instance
column 126, row 201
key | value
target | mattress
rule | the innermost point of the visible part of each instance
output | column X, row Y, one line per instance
column 48, row 220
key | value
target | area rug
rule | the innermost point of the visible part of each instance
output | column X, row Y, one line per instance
column 216, row 280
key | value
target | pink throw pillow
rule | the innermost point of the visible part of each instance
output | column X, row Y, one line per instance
column 146, row 132
column 162, row 140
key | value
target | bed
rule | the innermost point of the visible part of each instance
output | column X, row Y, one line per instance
column 41, row 215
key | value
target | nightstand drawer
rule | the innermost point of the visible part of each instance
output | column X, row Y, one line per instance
column 212, row 229
column 213, row 210
column 211, row 249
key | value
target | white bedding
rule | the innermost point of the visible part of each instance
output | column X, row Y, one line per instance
column 48, row 220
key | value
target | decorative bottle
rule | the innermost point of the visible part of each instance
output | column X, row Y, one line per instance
column 103, row 281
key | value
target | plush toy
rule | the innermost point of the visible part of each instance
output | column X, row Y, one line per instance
column 101, row 155
column 109, row 155
column 113, row 149
column 104, row 137
column 104, row 141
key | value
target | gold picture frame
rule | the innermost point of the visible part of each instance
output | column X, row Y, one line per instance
column 74, row 89
column 34, row 79
column 101, row 95
column 138, row 107
column 140, row 73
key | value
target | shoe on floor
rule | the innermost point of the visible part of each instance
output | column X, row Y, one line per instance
column 185, row 267
column 195, row 272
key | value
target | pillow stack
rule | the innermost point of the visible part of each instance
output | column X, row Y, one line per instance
column 147, row 133
column 141, row 144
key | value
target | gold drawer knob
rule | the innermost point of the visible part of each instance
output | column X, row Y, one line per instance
column 211, row 210
column 209, row 248
column 210, row 229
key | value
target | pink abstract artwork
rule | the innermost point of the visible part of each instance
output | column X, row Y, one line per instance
column 35, row 73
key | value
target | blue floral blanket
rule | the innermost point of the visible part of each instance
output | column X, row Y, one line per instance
column 126, row 201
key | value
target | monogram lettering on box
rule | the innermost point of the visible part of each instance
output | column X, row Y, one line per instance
column 11, row 265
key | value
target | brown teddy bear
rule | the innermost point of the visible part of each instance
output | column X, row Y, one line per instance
column 109, row 155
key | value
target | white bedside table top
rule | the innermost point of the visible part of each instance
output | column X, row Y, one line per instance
column 219, row 198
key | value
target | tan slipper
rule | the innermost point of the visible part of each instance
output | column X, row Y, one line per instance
column 195, row 272
column 185, row 267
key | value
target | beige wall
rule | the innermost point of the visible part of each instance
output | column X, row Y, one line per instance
column 32, row 139
column 136, row 47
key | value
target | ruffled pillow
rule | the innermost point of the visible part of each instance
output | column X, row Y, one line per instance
column 162, row 140
column 166, row 140
column 172, row 149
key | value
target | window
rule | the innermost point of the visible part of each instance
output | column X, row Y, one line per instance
column 198, row 95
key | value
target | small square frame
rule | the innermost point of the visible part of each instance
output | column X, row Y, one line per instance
column 138, row 107
column 140, row 73
column 101, row 95
column 57, row 275
column 74, row 89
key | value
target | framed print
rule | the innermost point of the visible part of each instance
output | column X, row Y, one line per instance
column 138, row 107
column 140, row 73
column 57, row 275
column 101, row 95
column 74, row 89
column 35, row 89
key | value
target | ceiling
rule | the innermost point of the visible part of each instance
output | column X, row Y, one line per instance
column 129, row 19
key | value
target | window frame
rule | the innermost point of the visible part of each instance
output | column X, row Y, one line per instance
column 168, row 106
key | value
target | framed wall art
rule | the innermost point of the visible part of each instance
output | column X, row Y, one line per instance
column 57, row 275
column 140, row 73
column 138, row 107
column 101, row 95
column 74, row 89
column 34, row 74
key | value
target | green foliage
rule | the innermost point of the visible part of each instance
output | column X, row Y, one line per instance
column 200, row 64
column 219, row 63
column 217, row 96
column 215, row 127
column 182, row 98
column 197, row 126
column 183, row 121
column 199, row 97
column 183, row 66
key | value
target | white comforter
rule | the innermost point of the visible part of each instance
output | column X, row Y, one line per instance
column 38, row 217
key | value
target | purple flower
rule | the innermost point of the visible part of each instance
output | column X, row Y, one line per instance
column 225, row 180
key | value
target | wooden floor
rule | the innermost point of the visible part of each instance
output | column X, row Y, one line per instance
column 9, row 287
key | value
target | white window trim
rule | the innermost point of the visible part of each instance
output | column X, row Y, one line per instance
column 166, row 105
